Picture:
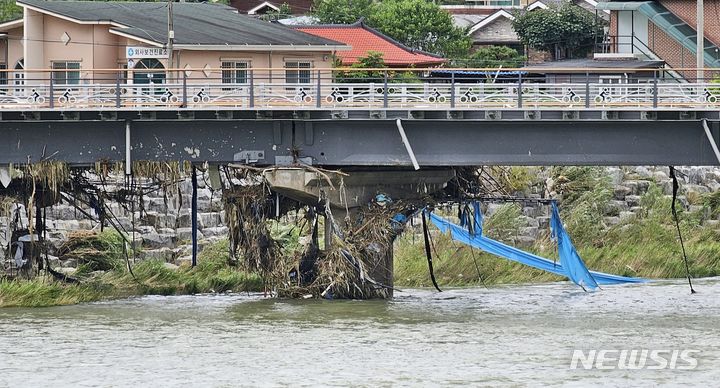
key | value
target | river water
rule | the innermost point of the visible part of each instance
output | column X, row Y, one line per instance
column 501, row 336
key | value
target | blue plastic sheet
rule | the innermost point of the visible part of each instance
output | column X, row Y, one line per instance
column 469, row 232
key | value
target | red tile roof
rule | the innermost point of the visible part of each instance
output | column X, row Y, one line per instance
column 363, row 39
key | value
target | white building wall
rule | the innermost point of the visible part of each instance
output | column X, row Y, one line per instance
column 625, row 31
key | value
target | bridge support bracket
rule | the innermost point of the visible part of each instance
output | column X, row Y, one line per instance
column 645, row 115
column 609, row 115
column 688, row 115
column 532, row 115
column 455, row 115
column 339, row 114
column 31, row 115
column 70, row 115
column 108, row 116
column 187, row 115
column 416, row 115
column 570, row 115
column 493, row 115
column 377, row 114
column 224, row 115
column 147, row 115
column 264, row 115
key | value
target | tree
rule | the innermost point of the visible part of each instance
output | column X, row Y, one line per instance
column 422, row 25
column 373, row 60
column 419, row 24
column 9, row 11
column 363, row 74
column 341, row 11
column 565, row 28
column 495, row 56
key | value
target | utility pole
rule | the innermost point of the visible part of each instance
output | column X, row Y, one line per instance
column 700, row 41
column 170, row 36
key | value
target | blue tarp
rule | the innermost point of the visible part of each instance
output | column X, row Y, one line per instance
column 469, row 232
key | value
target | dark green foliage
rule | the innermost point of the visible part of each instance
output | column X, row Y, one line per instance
column 422, row 25
column 568, row 28
column 494, row 56
column 419, row 24
column 9, row 10
column 341, row 11
column 372, row 62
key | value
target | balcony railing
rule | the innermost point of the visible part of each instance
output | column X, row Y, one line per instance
column 327, row 90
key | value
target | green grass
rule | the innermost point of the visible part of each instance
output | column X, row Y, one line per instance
column 649, row 251
column 214, row 273
column 644, row 246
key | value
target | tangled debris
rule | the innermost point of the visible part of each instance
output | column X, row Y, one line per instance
column 319, row 256
column 90, row 249
column 357, row 262
column 248, row 206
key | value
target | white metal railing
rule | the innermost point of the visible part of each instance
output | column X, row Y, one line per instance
column 328, row 94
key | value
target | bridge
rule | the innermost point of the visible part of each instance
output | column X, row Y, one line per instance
column 430, row 122
column 378, row 129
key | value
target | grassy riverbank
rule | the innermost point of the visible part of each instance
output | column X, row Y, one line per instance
column 635, row 251
column 212, row 274
column 645, row 245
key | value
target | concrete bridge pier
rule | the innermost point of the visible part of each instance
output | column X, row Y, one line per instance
column 346, row 193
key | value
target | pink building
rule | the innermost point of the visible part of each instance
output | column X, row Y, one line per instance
column 79, row 39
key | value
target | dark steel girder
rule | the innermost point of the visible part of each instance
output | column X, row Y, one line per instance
column 365, row 142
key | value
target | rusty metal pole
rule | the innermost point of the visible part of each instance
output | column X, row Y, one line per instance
column 194, row 216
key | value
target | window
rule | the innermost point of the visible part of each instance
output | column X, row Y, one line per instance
column 297, row 72
column 498, row 3
column 610, row 79
column 71, row 75
column 234, row 72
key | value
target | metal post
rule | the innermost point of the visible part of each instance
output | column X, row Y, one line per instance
column 193, row 215
column 252, row 89
column 318, row 103
column 117, row 89
column 185, row 99
column 128, row 149
column 655, row 89
column 52, row 86
column 700, row 41
column 385, row 89
column 452, row 89
column 171, row 37
column 587, row 89
column 632, row 31
column 520, row 101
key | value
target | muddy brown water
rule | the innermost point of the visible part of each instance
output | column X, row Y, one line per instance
column 503, row 336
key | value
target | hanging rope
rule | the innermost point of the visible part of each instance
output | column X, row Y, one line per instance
column 428, row 254
column 675, row 187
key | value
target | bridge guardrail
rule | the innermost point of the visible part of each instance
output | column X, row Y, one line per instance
column 336, row 89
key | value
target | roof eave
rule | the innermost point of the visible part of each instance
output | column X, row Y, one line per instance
column 620, row 5
column 134, row 37
column 491, row 18
column 261, row 47
column 9, row 25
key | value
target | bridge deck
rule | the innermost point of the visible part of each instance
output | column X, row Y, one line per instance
column 354, row 124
